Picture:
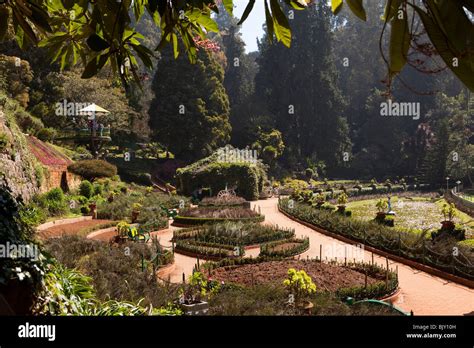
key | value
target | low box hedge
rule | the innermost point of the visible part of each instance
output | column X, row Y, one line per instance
column 268, row 249
column 197, row 221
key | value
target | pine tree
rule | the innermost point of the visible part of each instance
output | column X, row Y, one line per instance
column 299, row 87
column 190, row 112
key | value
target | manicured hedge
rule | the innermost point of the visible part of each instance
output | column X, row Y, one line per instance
column 249, row 178
column 203, row 249
column 268, row 249
column 197, row 221
column 93, row 169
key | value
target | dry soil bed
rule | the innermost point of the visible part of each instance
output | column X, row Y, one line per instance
column 326, row 277
column 77, row 228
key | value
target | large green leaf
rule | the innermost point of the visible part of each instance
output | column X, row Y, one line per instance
column 247, row 11
column 281, row 24
column 96, row 43
column 453, row 21
column 269, row 21
column 229, row 6
column 357, row 8
column 391, row 9
column 336, row 6
column 399, row 43
column 465, row 69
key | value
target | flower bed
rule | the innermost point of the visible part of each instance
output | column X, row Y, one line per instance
column 285, row 248
column 230, row 201
column 358, row 281
column 204, row 215
column 235, row 233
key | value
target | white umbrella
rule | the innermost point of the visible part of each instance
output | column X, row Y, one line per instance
column 93, row 109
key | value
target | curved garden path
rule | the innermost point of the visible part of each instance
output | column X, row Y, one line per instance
column 421, row 292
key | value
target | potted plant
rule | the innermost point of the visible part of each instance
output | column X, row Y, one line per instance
column 192, row 298
column 382, row 206
column 373, row 184
column 136, row 207
column 341, row 202
column 449, row 212
column 300, row 286
column 319, row 199
column 122, row 229
column 93, row 212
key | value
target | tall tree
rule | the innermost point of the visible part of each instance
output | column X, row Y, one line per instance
column 299, row 87
column 190, row 111
column 239, row 75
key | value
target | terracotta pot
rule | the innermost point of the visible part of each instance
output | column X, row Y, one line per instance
column 93, row 212
column 447, row 225
column 135, row 216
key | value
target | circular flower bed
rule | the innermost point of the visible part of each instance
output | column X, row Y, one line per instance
column 345, row 281
column 204, row 215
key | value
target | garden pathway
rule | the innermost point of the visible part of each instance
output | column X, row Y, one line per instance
column 421, row 292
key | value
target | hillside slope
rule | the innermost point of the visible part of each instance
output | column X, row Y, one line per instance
column 19, row 169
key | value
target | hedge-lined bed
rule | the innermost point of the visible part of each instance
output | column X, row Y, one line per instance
column 285, row 248
column 356, row 280
column 223, row 240
column 207, row 215
column 219, row 202
column 204, row 250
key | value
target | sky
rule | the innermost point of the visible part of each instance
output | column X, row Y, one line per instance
column 252, row 27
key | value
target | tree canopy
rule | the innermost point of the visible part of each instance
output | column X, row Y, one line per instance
column 101, row 32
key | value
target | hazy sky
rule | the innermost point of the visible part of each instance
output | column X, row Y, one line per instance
column 252, row 27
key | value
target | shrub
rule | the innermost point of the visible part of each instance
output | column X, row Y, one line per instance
column 299, row 284
column 93, row 169
column 47, row 134
column 86, row 189
column 309, row 173
column 3, row 141
column 33, row 215
column 85, row 210
column 98, row 189
column 114, row 275
column 54, row 201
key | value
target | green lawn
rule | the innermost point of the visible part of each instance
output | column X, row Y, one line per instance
column 411, row 213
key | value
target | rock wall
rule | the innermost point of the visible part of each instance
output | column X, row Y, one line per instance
column 18, row 168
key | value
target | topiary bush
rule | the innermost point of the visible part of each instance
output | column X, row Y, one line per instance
column 93, row 169
column 86, row 189
column 247, row 177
